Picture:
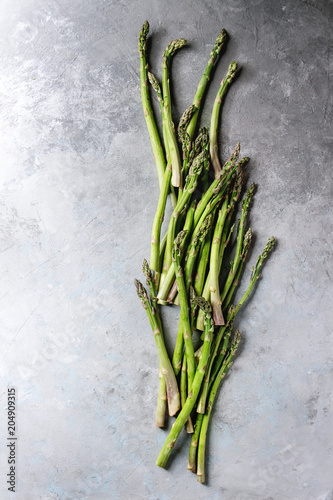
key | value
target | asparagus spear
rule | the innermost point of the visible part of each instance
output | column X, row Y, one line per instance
column 162, row 396
column 184, row 308
column 156, row 86
column 214, row 266
column 147, row 108
column 171, row 140
column 193, row 395
column 190, row 185
column 220, row 41
column 213, row 148
column 239, row 245
column 168, row 373
column 205, row 421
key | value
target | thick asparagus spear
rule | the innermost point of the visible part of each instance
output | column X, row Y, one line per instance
column 147, row 108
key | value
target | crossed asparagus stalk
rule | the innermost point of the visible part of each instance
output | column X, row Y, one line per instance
column 185, row 266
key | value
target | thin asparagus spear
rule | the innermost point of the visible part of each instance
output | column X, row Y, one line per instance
column 246, row 246
column 213, row 148
column 183, row 394
column 217, row 340
column 205, row 421
column 220, row 41
column 255, row 275
column 192, row 457
column 192, row 253
column 161, row 400
column 184, row 309
column 239, row 245
column 214, row 287
column 189, row 188
column 171, row 139
column 156, row 86
column 193, row 395
column 200, row 276
column 155, row 260
column 217, row 183
column 147, row 108
column 170, row 277
column 167, row 370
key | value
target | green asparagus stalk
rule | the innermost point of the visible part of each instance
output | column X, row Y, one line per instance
column 220, row 41
column 255, row 275
column 205, row 421
column 147, row 108
column 170, row 276
column 224, row 330
column 184, row 309
column 189, row 188
column 168, row 373
column 194, row 392
column 171, row 139
column 192, row 254
column 156, row 86
column 213, row 148
column 239, row 244
column 155, row 260
column 161, row 400
column 214, row 287
column 200, row 276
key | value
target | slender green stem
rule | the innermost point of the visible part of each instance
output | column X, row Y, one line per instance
column 162, row 397
column 214, row 286
column 205, row 421
column 194, row 392
column 167, row 370
column 190, row 185
column 184, row 309
column 171, row 139
column 217, row 183
column 239, row 245
column 147, row 108
column 155, row 261
column 156, row 86
column 215, row 117
column 220, row 41
column 200, row 276
column 223, row 331
column 192, row 457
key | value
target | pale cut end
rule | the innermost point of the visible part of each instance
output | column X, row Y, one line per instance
column 174, row 404
column 218, row 316
column 189, row 426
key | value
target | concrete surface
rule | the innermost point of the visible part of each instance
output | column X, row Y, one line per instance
column 79, row 191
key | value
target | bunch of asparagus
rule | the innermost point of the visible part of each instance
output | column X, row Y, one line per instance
column 185, row 265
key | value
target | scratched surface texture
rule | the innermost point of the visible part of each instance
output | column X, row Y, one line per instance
column 78, row 195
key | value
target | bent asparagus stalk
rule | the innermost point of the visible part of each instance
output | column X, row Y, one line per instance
column 147, row 108
column 213, row 145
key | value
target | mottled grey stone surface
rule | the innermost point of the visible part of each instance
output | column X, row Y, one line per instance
column 78, row 195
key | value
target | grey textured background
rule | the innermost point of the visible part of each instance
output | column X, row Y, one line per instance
column 79, row 191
